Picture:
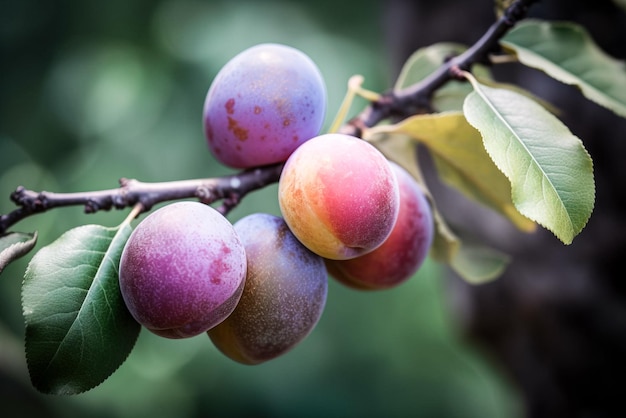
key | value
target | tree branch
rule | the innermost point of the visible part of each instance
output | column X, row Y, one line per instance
column 231, row 189
column 416, row 99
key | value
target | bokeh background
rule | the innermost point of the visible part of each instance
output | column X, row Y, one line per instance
column 94, row 91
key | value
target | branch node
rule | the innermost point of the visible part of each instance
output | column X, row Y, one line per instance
column 18, row 195
column 229, row 203
column 205, row 194
column 146, row 202
column 456, row 72
column 91, row 206
column 41, row 202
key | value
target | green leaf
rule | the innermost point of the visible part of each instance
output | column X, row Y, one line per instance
column 499, row 85
column 14, row 245
column 550, row 171
column 78, row 329
column 479, row 264
column 425, row 61
column 461, row 160
column 566, row 52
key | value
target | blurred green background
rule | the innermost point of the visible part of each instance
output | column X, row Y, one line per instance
column 94, row 91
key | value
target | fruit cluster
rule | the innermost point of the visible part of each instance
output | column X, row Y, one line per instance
column 259, row 286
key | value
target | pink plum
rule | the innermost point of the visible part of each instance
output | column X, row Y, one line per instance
column 182, row 270
column 339, row 196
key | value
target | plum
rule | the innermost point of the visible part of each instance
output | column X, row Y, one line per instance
column 182, row 270
column 339, row 196
column 262, row 105
column 283, row 298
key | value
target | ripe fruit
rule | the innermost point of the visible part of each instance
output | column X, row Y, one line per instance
column 262, row 105
column 339, row 196
column 182, row 270
column 284, row 295
column 402, row 254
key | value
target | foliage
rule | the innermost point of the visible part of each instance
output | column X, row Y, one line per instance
column 78, row 330
column 566, row 52
column 550, row 172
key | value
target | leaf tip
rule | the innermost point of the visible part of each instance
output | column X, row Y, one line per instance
column 14, row 245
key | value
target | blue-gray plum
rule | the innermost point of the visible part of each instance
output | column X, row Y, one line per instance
column 284, row 295
column 182, row 270
column 262, row 105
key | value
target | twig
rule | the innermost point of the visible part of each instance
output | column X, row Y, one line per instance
column 416, row 99
column 231, row 189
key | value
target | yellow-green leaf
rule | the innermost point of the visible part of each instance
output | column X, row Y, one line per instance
column 550, row 171
column 445, row 243
column 479, row 264
column 397, row 148
column 566, row 52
